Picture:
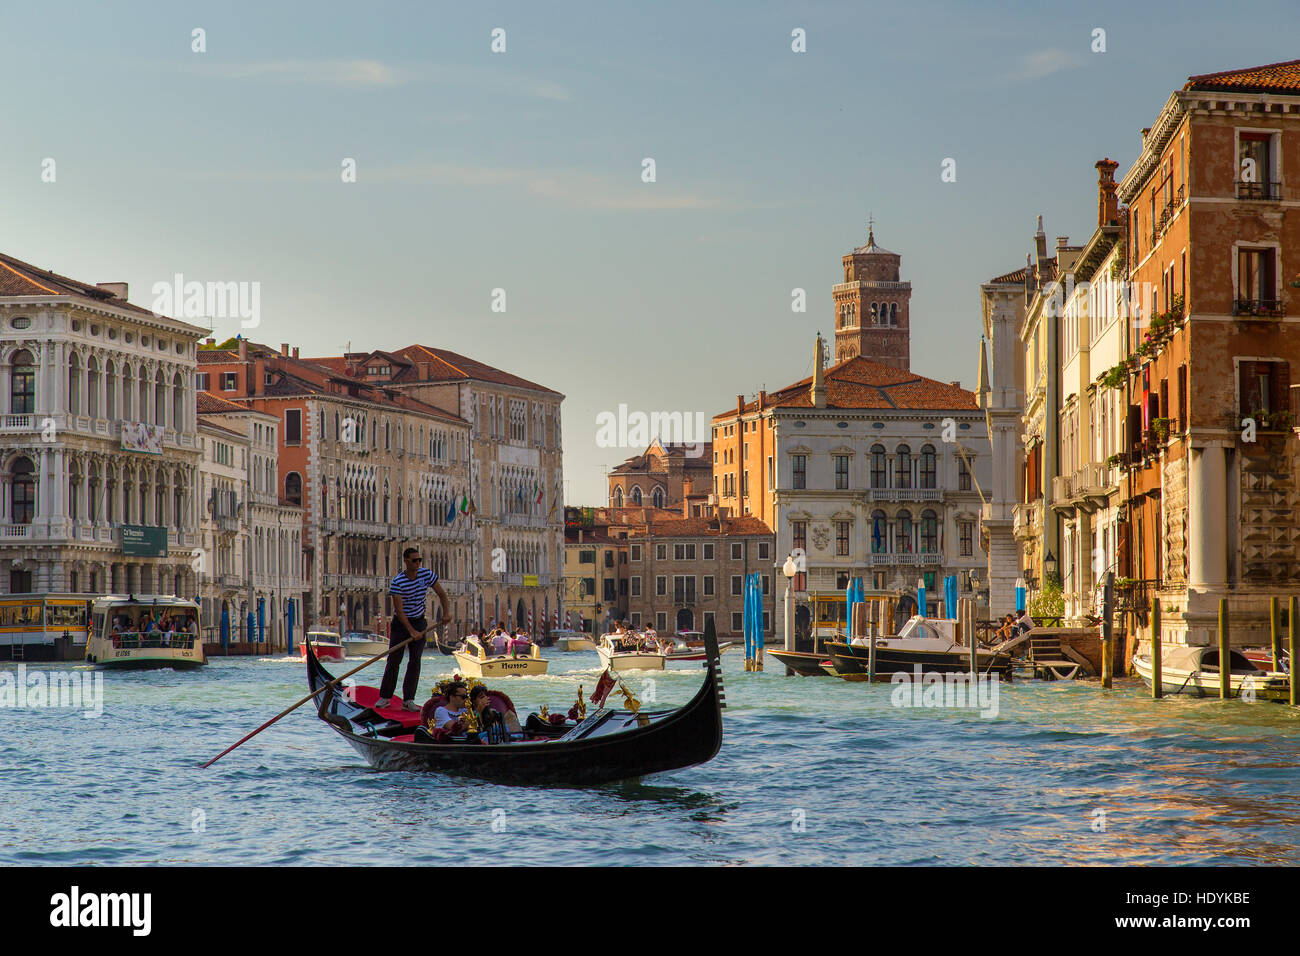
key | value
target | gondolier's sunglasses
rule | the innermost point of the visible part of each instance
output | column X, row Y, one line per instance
column 415, row 560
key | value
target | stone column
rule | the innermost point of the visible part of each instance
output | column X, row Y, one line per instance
column 1207, row 522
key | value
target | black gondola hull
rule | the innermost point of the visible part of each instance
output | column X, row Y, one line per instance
column 849, row 660
column 617, row 748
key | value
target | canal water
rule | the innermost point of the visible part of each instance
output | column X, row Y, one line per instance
column 812, row 771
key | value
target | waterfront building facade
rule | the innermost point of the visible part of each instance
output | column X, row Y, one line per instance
column 99, row 463
column 374, row 471
column 1214, row 234
column 515, row 470
column 873, row 307
column 663, row 476
column 596, row 582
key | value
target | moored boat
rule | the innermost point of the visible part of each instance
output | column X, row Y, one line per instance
column 1195, row 671
column 803, row 663
column 931, row 643
column 327, row 643
column 144, row 631
column 477, row 659
column 605, row 746
column 687, row 646
column 631, row 652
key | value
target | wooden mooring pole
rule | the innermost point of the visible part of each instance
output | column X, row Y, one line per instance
column 1293, row 627
column 1108, row 630
column 1275, row 633
column 1225, row 658
column 1157, row 660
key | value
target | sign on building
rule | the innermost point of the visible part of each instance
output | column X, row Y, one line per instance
column 142, row 437
column 144, row 541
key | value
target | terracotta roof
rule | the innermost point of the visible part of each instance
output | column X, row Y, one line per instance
column 208, row 423
column 678, row 451
column 23, row 278
column 705, row 527
column 871, row 249
column 1018, row 277
column 1281, row 77
column 591, row 537
column 861, row 383
column 210, row 404
column 446, row 365
column 215, row 356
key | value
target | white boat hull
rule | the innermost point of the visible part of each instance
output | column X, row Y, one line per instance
column 631, row 661
column 471, row 666
column 364, row 648
column 103, row 653
column 575, row 644
column 1265, row 685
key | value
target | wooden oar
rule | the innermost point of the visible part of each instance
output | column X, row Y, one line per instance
column 282, row 713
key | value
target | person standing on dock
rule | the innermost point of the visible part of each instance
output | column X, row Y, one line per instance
column 407, row 592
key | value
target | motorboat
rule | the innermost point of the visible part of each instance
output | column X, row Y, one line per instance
column 363, row 644
column 630, row 651
column 138, row 631
column 932, row 643
column 327, row 644
column 1194, row 670
column 689, row 646
column 567, row 640
column 478, row 658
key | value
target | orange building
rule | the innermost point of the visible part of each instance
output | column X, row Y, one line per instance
column 1214, row 240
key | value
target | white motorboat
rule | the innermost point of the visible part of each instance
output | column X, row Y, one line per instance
column 1195, row 671
column 363, row 644
column 631, row 652
column 477, row 658
column 572, row 641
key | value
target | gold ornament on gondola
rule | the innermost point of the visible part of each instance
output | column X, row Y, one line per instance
column 545, row 713
column 581, row 704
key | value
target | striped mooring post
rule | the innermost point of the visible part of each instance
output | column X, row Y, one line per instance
column 1225, row 658
column 1157, row 661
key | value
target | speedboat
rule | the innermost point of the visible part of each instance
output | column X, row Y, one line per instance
column 326, row 643
column 1195, row 671
column 363, row 644
column 631, row 652
column 572, row 641
column 477, row 658
column 689, row 646
column 929, row 642
column 132, row 632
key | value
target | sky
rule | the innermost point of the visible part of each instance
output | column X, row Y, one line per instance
column 524, row 170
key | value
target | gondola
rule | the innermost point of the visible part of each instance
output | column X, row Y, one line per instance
column 607, row 746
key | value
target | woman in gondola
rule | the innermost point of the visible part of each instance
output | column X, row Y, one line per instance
column 491, row 725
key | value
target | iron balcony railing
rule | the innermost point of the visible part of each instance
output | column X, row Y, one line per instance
column 1269, row 308
column 1259, row 190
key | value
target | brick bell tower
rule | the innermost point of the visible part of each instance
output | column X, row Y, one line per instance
column 872, row 307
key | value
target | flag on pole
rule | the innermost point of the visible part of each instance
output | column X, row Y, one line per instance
column 603, row 687
column 464, row 502
column 451, row 512
column 473, row 508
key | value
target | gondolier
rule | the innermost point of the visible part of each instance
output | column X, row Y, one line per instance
column 407, row 593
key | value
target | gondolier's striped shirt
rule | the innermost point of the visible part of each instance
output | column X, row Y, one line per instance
column 412, row 590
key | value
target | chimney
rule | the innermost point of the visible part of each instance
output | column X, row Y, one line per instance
column 424, row 371
column 762, row 399
column 819, row 376
column 209, row 341
column 1107, row 201
column 956, row 383
column 117, row 288
column 259, row 375
column 1040, row 244
column 284, row 349
column 1061, row 243
column 295, row 351
column 243, row 350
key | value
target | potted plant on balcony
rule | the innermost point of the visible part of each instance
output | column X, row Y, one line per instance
column 1160, row 428
column 1115, row 460
column 1115, row 377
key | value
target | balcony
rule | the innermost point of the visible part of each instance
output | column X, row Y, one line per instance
column 227, row 524
column 1027, row 519
column 1259, row 308
column 1259, row 191
column 904, row 559
column 17, row 423
column 1062, row 502
column 905, row 494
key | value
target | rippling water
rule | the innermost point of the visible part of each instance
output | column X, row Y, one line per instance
column 1180, row 780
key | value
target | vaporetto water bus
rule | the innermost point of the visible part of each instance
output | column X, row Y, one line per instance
column 144, row 630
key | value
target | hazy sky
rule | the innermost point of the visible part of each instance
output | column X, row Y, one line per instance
column 522, row 170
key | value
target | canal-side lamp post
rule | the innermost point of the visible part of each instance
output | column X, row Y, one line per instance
column 1049, row 567
column 789, row 569
column 1020, row 595
column 920, row 596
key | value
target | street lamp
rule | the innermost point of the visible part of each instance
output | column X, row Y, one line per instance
column 789, row 569
column 1049, row 567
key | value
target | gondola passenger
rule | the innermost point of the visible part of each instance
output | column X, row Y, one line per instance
column 491, row 725
column 447, row 716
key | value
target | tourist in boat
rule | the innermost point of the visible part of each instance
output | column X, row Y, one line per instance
column 491, row 725
column 447, row 716
column 500, row 644
column 406, row 593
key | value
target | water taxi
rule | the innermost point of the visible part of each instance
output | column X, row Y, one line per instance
column 363, row 644
column 689, row 646
column 572, row 641
column 326, row 643
column 1195, row 671
column 631, row 652
column 935, row 644
column 477, row 659
column 144, row 630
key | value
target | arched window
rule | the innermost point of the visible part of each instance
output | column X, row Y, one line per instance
column 22, row 384
column 110, row 390
column 879, row 532
column 92, row 387
column 74, row 384
column 178, row 402
column 893, row 313
column 22, row 493
column 903, row 536
column 657, row 497
column 873, row 313
column 929, row 533
column 636, row 495
column 293, row 488
column 879, row 473
column 128, row 391
column 903, row 467
column 142, row 409
column 159, row 399
column 928, row 467
column 618, row 497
